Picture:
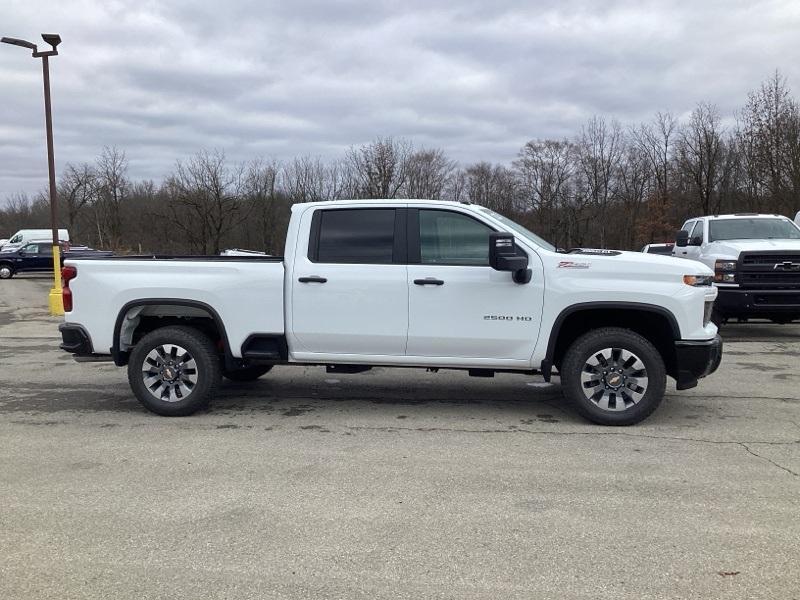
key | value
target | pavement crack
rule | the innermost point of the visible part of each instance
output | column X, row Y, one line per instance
column 769, row 460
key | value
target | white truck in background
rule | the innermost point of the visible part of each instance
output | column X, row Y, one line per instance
column 403, row 284
column 24, row 236
column 756, row 263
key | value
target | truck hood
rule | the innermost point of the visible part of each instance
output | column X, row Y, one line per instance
column 732, row 248
column 630, row 265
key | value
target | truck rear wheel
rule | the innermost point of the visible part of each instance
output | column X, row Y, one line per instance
column 250, row 373
column 613, row 376
column 174, row 371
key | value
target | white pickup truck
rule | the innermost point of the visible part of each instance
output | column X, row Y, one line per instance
column 402, row 284
column 756, row 263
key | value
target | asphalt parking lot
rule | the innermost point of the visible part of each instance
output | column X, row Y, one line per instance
column 393, row 483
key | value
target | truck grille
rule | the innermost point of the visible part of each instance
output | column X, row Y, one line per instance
column 778, row 270
column 768, row 259
column 777, row 300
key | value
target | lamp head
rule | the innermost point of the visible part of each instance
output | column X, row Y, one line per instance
column 52, row 38
column 18, row 42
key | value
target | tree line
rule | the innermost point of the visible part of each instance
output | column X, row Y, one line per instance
column 609, row 185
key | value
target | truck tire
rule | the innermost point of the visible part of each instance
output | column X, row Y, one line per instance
column 247, row 373
column 174, row 371
column 613, row 376
column 6, row 271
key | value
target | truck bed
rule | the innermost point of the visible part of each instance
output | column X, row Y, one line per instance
column 246, row 293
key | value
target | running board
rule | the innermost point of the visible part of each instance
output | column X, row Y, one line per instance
column 93, row 358
column 347, row 368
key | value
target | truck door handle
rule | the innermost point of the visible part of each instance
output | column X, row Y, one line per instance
column 428, row 281
column 312, row 279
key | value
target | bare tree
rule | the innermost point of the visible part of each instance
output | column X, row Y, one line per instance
column 457, row 186
column 205, row 199
column 261, row 190
column 380, row 168
column 545, row 168
column 112, row 188
column 635, row 176
column 493, row 186
column 701, row 156
column 77, row 189
column 429, row 173
column 308, row 179
column 769, row 137
column 20, row 211
column 656, row 140
column 599, row 150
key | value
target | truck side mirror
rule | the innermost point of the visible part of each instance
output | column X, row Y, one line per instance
column 504, row 256
column 682, row 239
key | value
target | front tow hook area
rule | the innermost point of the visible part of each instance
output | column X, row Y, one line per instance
column 695, row 359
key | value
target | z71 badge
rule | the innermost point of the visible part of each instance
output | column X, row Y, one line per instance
column 571, row 264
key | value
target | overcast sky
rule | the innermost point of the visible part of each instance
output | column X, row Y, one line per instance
column 163, row 79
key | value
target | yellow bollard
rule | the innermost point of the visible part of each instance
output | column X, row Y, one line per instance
column 54, row 299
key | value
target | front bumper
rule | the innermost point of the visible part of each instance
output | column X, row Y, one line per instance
column 75, row 340
column 696, row 359
column 736, row 302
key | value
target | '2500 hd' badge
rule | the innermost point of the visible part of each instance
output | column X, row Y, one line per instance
column 505, row 318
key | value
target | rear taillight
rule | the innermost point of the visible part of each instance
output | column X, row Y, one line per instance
column 67, row 275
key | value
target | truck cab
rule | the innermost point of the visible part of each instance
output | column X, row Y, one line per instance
column 756, row 263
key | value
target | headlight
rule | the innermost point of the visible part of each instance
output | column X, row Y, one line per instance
column 725, row 265
column 724, row 271
column 697, row 280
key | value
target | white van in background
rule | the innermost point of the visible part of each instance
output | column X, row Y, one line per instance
column 23, row 236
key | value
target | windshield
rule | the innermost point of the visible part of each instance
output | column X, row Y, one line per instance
column 753, row 229
column 519, row 229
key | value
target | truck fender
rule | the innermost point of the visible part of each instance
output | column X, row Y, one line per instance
column 128, row 319
column 548, row 362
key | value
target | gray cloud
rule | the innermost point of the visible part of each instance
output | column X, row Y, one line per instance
column 164, row 79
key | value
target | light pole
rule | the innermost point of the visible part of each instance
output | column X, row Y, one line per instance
column 54, row 300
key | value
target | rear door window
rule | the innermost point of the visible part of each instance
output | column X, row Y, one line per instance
column 359, row 236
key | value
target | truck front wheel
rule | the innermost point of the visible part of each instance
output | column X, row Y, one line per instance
column 174, row 371
column 6, row 271
column 613, row 376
